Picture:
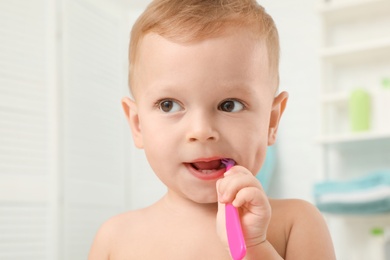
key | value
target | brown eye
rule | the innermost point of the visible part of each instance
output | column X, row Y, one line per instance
column 231, row 106
column 169, row 106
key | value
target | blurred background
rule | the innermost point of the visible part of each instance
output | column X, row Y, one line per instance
column 67, row 161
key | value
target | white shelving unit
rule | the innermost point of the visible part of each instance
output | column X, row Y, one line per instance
column 355, row 55
column 340, row 140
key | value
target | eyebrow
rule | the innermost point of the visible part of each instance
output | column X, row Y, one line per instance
column 228, row 87
column 237, row 87
column 162, row 88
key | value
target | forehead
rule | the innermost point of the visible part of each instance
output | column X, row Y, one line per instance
column 235, row 57
column 234, row 38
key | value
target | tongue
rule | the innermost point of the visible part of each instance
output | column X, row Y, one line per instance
column 212, row 165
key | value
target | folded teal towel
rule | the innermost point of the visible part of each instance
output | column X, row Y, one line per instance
column 361, row 183
column 363, row 195
column 373, row 207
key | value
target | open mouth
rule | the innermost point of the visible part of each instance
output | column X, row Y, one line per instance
column 208, row 167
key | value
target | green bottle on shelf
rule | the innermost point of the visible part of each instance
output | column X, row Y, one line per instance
column 359, row 110
column 381, row 107
column 386, row 83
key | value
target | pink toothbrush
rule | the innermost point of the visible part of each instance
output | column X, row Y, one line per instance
column 235, row 236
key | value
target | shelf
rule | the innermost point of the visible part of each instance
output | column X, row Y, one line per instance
column 360, row 219
column 357, row 52
column 353, row 138
column 352, row 9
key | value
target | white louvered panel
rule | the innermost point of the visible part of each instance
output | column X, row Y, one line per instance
column 93, row 88
column 22, row 88
column 23, row 130
column 81, row 226
column 85, row 212
column 22, row 231
column 93, row 123
column 94, row 82
column 15, row 188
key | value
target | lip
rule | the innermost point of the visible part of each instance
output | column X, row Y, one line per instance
column 208, row 159
column 217, row 174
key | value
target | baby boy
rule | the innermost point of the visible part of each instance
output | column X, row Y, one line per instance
column 204, row 82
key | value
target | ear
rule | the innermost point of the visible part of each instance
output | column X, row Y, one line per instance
column 278, row 107
column 131, row 113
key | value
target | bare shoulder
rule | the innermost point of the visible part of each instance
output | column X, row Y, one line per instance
column 294, row 207
column 305, row 229
column 110, row 232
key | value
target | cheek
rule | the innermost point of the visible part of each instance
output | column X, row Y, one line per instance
column 155, row 141
column 159, row 141
column 259, row 158
column 254, row 143
column 151, row 129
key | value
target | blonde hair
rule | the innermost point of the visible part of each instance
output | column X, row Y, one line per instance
column 185, row 21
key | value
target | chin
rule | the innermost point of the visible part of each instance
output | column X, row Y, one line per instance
column 208, row 200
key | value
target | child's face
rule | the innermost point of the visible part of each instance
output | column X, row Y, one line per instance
column 199, row 102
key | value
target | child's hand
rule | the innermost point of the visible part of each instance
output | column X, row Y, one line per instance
column 245, row 192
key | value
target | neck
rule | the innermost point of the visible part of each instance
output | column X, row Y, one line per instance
column 179, row 205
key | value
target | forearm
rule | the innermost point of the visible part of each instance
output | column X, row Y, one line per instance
column 263, row 251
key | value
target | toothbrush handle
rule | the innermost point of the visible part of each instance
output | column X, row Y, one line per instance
column 235, row 236
column 234, row 233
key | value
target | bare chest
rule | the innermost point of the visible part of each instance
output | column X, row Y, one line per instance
column 162, row 244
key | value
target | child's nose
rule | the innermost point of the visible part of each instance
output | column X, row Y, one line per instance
column 201, row 128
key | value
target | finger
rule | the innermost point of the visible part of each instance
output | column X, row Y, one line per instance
column 221, row 217
column 229, row 186
column 237, row 169
column 250, row 196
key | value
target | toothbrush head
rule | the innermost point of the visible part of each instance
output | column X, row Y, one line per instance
column 229, row 163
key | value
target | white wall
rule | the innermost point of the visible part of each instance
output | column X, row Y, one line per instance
column 299, row 30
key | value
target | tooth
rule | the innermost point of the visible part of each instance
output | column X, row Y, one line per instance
column 207, row 171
